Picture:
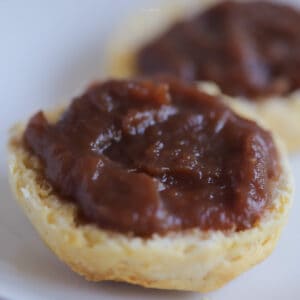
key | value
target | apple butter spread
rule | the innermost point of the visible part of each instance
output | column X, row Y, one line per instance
column 249, row 49
column 156, row 156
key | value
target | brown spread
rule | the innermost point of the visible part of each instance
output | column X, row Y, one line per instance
column 249, row 49
column 156, row 156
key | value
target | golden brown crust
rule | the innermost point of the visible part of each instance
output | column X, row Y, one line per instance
column 191, row 260
column 281, row 114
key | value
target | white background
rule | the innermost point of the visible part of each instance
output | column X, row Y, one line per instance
column 48, row 49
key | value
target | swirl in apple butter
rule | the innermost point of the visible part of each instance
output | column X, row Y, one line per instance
column 249, row 49
column 156, row 156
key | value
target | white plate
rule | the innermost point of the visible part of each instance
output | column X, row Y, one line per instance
column 47, row 50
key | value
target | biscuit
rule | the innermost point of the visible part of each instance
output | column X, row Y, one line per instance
column 192, row 260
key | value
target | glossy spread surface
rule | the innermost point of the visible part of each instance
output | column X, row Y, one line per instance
column 156, row 156
column 249, row 49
